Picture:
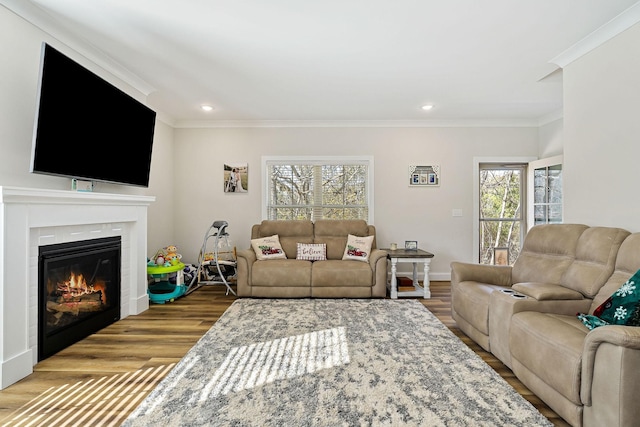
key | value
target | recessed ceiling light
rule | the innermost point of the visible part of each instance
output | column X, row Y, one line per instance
column 206, row 107
column 427, row 107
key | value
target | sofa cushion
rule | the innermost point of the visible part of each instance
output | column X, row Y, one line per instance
column 357, row 248
column 334, row 233
column 547, row 252
column 543, row 340
column 268, row 248
column 291, row 232
column 621, row 308
column 595, row 259
column 282, row 273
column 312, row 251
column 627, row 263
column 332, row 273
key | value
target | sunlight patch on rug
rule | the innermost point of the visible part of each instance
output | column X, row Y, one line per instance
column 257, row 364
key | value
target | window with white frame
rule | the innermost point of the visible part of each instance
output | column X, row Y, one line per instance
column 502, row 222
column 318, row 188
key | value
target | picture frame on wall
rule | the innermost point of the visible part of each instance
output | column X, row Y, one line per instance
column 236, row 177
column 424, row 176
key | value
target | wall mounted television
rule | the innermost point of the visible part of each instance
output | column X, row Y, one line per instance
column 86, row 128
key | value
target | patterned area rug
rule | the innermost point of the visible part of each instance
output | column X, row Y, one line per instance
column 316, row 362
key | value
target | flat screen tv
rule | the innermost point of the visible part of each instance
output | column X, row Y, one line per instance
column 86, row 128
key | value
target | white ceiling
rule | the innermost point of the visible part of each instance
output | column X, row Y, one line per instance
column 332, row 60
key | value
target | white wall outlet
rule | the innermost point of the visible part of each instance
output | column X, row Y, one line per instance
column 456, row 212
column 81, row 185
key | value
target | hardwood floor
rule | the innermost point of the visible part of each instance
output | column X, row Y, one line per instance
column 164, row 333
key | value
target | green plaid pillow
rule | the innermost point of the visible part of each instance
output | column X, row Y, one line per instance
column 621, row 308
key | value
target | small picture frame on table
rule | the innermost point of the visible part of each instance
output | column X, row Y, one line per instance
column 410, row 245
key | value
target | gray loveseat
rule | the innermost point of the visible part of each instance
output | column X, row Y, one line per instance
column 296, row 278
column 525, row 315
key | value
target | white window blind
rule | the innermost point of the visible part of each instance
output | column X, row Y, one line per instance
column 316, row 188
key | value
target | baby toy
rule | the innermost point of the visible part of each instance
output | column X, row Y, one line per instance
column 171, row 253
column 167, row 256
column 158, row 258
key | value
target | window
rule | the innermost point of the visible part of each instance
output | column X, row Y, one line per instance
column 545, row 191
column 501, row 219
column 316, row 188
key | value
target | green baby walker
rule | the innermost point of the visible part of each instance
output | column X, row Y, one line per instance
column 167, row 283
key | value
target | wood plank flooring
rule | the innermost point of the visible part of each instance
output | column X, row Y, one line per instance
column 164, row 333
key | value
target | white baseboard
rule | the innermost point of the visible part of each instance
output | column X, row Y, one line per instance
column 16, row 368
column 138, row 305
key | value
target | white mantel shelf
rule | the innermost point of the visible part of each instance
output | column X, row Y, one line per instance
column 36, row 195
column 30, row 218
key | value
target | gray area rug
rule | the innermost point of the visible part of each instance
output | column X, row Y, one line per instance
column 316, row 362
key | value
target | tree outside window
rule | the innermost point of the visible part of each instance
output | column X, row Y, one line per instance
column 501, row 210
column 318, row 190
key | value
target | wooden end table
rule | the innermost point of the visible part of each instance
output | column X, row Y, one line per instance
column 413, row 256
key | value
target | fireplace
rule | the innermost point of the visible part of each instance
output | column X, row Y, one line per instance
column 78, row 291
column 31, row 218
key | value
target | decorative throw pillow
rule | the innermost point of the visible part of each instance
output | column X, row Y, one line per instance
column 358, row 248
column 312, row 251
column 621, row 308
column 268, row 248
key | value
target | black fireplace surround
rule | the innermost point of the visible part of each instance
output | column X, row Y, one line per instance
column 78, row 291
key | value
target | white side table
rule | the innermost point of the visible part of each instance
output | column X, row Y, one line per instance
column 415, row 257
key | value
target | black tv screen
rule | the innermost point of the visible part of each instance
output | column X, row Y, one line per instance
column 88, row 129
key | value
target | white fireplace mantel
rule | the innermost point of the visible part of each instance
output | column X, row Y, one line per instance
column 30, row 218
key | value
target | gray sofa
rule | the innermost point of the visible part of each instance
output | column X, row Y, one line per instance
column 525, row 315
column 295, row 278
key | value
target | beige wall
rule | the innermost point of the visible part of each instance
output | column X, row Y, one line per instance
column 400, row 213
column 601, row 130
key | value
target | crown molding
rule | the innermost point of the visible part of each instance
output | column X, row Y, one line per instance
column 191, row 124
column 617, row 25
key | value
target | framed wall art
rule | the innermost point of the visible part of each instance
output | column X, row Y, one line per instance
column 236, row 177
column 424, row 176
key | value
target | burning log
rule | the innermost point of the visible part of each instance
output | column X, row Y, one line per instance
column 76, row 304
column 74, row 297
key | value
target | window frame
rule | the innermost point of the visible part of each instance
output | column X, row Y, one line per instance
column 520, row 218
column 477, row 161
column 542, row 164
column 318, row 161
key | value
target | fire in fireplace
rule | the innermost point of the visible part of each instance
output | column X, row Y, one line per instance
column 78, row 291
